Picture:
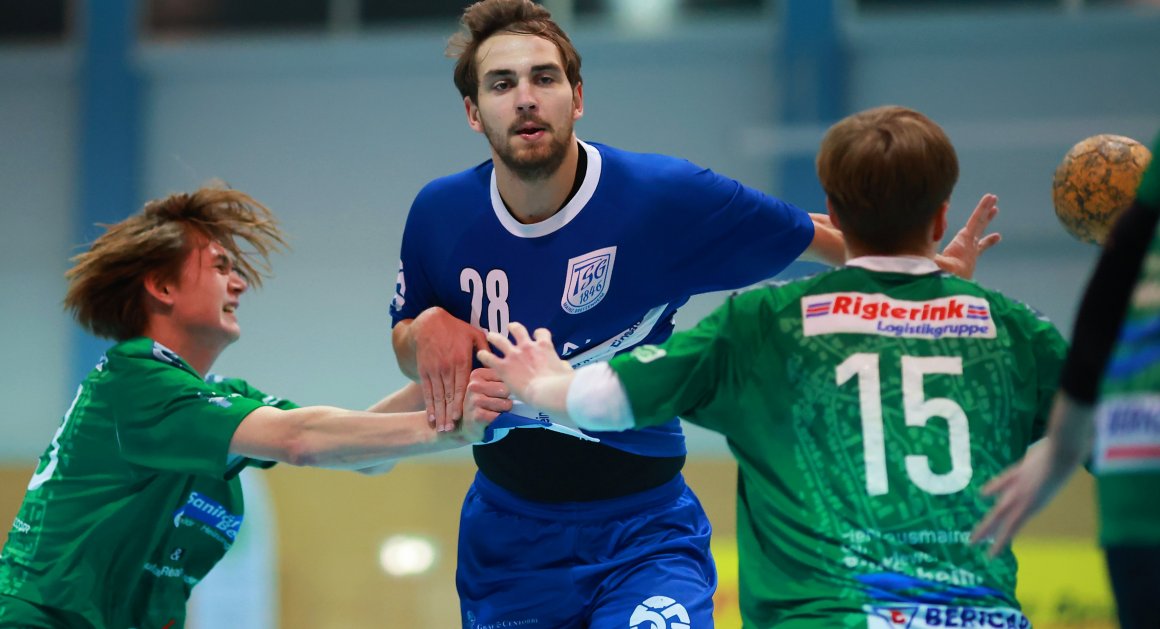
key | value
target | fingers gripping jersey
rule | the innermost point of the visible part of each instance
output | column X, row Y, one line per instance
column 136, row 498
column 866, row 408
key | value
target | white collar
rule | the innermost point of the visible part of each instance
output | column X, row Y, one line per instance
column 911, row 265
column 566, row 213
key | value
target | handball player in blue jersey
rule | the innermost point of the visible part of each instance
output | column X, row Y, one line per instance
column 562, row 527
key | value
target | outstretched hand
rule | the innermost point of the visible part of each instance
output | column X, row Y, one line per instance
column 962, row 253
column 525, row 361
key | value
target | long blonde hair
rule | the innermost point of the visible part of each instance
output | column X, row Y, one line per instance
column 106, row 283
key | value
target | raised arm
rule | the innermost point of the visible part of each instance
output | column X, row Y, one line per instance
column 962, row 253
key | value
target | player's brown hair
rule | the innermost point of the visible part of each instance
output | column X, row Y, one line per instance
column 106, row 292
column 490, row 17
column 886, row 172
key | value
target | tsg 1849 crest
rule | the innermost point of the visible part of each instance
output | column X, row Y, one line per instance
column 589, row 277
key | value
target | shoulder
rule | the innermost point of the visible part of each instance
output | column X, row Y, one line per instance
column 1016, row 313
column 645, row 166
column 226, row 384
column 1003, row 305
column 145, row 356
column 775, row 299
column 453, row 188
column 142, row 369
column 783, row 295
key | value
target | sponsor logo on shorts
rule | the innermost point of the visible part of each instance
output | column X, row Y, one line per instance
column 659, row 612
column 958, row 316
column 1128, row 434
column 920, row 616
column 205, row 510
column 588, row 279
column 20, row 526
column 474, row 623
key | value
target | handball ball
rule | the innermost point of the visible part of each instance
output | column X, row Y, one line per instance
column 1096, row 182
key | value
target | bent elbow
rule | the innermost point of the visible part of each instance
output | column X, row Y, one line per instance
column 299, row 451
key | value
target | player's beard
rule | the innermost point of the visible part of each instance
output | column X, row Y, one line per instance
column 532, row 163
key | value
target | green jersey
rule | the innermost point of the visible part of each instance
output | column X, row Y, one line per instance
column 135, row 499
column 1127, row 450
column 866, row 406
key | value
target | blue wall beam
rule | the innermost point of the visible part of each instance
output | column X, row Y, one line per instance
column 110, row 132
column 811, row 64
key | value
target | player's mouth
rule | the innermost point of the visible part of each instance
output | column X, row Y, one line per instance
column 531, row 130
column 230, row 308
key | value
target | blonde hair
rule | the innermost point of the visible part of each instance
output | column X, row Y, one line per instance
column 106, row 283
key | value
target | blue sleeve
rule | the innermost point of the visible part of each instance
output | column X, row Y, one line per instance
column 413, row 290
column 730, row 235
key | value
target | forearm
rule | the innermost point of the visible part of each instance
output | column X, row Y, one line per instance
column 1070, row 430
column 828, row 245
column 407, row 399
column 322, row 436
column 550, row 394
column 403, row 342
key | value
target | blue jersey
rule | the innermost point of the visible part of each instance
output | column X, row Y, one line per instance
column 607, row 272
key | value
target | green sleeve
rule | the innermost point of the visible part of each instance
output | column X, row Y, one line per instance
column 168, row 419
column 244, row 389
column 1050, row 355
column 694, row 374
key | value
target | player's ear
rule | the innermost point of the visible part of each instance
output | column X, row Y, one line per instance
column 158, row 289
column 833, row 215
column 578, row 101
column 940, row 222
column 473, row 119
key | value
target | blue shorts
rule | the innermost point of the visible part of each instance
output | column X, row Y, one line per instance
column 641, row 561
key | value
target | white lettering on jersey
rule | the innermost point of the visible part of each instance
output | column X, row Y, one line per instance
column 633, row 335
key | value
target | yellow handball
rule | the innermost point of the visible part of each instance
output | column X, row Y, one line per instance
column 1096, row 182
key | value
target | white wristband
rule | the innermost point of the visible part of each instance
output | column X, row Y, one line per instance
column 597, row 400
